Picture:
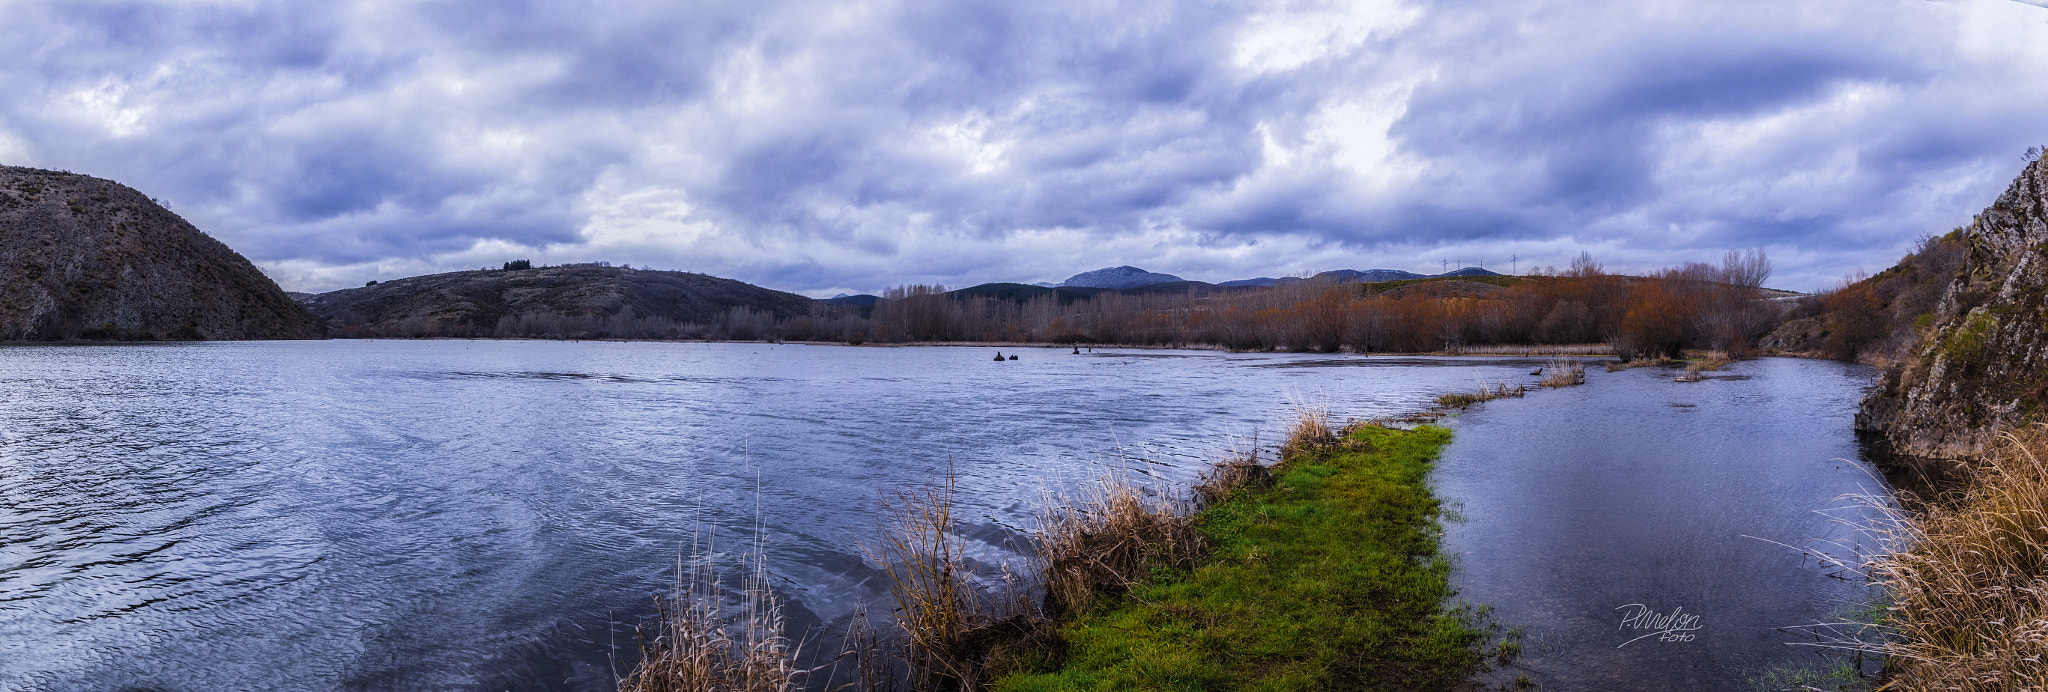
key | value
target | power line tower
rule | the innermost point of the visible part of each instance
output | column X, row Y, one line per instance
column 1515, row 264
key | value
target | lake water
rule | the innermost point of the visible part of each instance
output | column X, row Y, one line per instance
column 495, row 515
column 1636, row 495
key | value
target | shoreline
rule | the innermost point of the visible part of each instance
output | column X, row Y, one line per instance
column 1323, row 570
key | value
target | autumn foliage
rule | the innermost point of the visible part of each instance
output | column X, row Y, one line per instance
column 1689, row 306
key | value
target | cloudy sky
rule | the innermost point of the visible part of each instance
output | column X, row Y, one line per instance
column 822, row 147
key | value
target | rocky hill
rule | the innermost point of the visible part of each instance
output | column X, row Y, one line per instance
column 86, row 258
column 570, row 301
column 1982, row 366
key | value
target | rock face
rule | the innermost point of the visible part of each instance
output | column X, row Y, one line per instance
column 86, row 258
column 549, row 301
column 1983, row 368
column 1118, row 277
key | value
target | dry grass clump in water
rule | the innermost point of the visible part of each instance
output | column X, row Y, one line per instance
column 698, row 646
column 954, row 630
column 1110, row 537
column 1970, row 584
column 1311, row 432
column 1564, row 373
column 1487, row 392
column 1619, row 365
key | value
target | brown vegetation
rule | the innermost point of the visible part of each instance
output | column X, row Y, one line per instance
column 1564, row 373
column 1487, row 392
column 1111, row 537
column 1969, row 579
column 1880, row 319
column 697, row 645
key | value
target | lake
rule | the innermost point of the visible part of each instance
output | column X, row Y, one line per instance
column 496, row 514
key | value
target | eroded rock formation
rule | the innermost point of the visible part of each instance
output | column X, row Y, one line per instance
column 1983, row 365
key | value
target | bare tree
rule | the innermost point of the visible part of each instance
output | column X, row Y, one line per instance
column 1746, row 269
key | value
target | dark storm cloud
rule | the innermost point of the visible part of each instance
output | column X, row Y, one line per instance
column 829, row 146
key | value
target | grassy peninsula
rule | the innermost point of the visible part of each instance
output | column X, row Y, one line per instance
column 1322, row 574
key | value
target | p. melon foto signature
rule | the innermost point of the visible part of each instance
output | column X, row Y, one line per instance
column 1675, row 626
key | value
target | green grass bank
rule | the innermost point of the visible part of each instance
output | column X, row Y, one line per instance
column 1325, row 577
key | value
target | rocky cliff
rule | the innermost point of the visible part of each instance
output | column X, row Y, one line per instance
column 1982, row 367
column 86, row 258
column 569, row 301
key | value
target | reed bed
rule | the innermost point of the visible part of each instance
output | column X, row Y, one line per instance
column 698, row 645
column 1536, row 350
column 1969, row 579
column 1113, row 534
column 1564, row 373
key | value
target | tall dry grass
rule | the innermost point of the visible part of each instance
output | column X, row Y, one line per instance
column 699, row 644
column 1110, row 535
column 1969, row 579
column 1311, row 430
column 957, row 624
column 1564, row 373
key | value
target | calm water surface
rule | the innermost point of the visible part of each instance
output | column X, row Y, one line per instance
column 1636, row 494
column 494, row 515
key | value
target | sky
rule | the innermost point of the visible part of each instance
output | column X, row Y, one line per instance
column 853, row 145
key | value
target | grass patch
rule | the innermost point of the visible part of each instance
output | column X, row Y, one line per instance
column 1326, row 578
column 1564, row 373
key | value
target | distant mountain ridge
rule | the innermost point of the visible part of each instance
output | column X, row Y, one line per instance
column 89, row 258
column 1118, row 277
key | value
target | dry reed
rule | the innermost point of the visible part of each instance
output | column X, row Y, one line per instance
column 1537, row 350
column 1311, row 431
column 1487, row 392
column 1968, row 579
column 956, row 630
column 1109, row 536
column 1564, row 373
column 698, row 646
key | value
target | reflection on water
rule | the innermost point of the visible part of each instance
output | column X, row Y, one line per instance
column 1593, row 514
column 472, row 515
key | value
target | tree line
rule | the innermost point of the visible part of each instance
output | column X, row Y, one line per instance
column 1692, row 305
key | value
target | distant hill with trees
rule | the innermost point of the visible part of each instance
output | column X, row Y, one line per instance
column 574, row 301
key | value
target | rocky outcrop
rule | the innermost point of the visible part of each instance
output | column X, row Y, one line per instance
column 579, row 300
column 1983, row 366
column 86, row 258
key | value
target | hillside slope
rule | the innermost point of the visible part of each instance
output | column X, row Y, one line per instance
column 87, row 258
column 1982, row 367
column 589, row 301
